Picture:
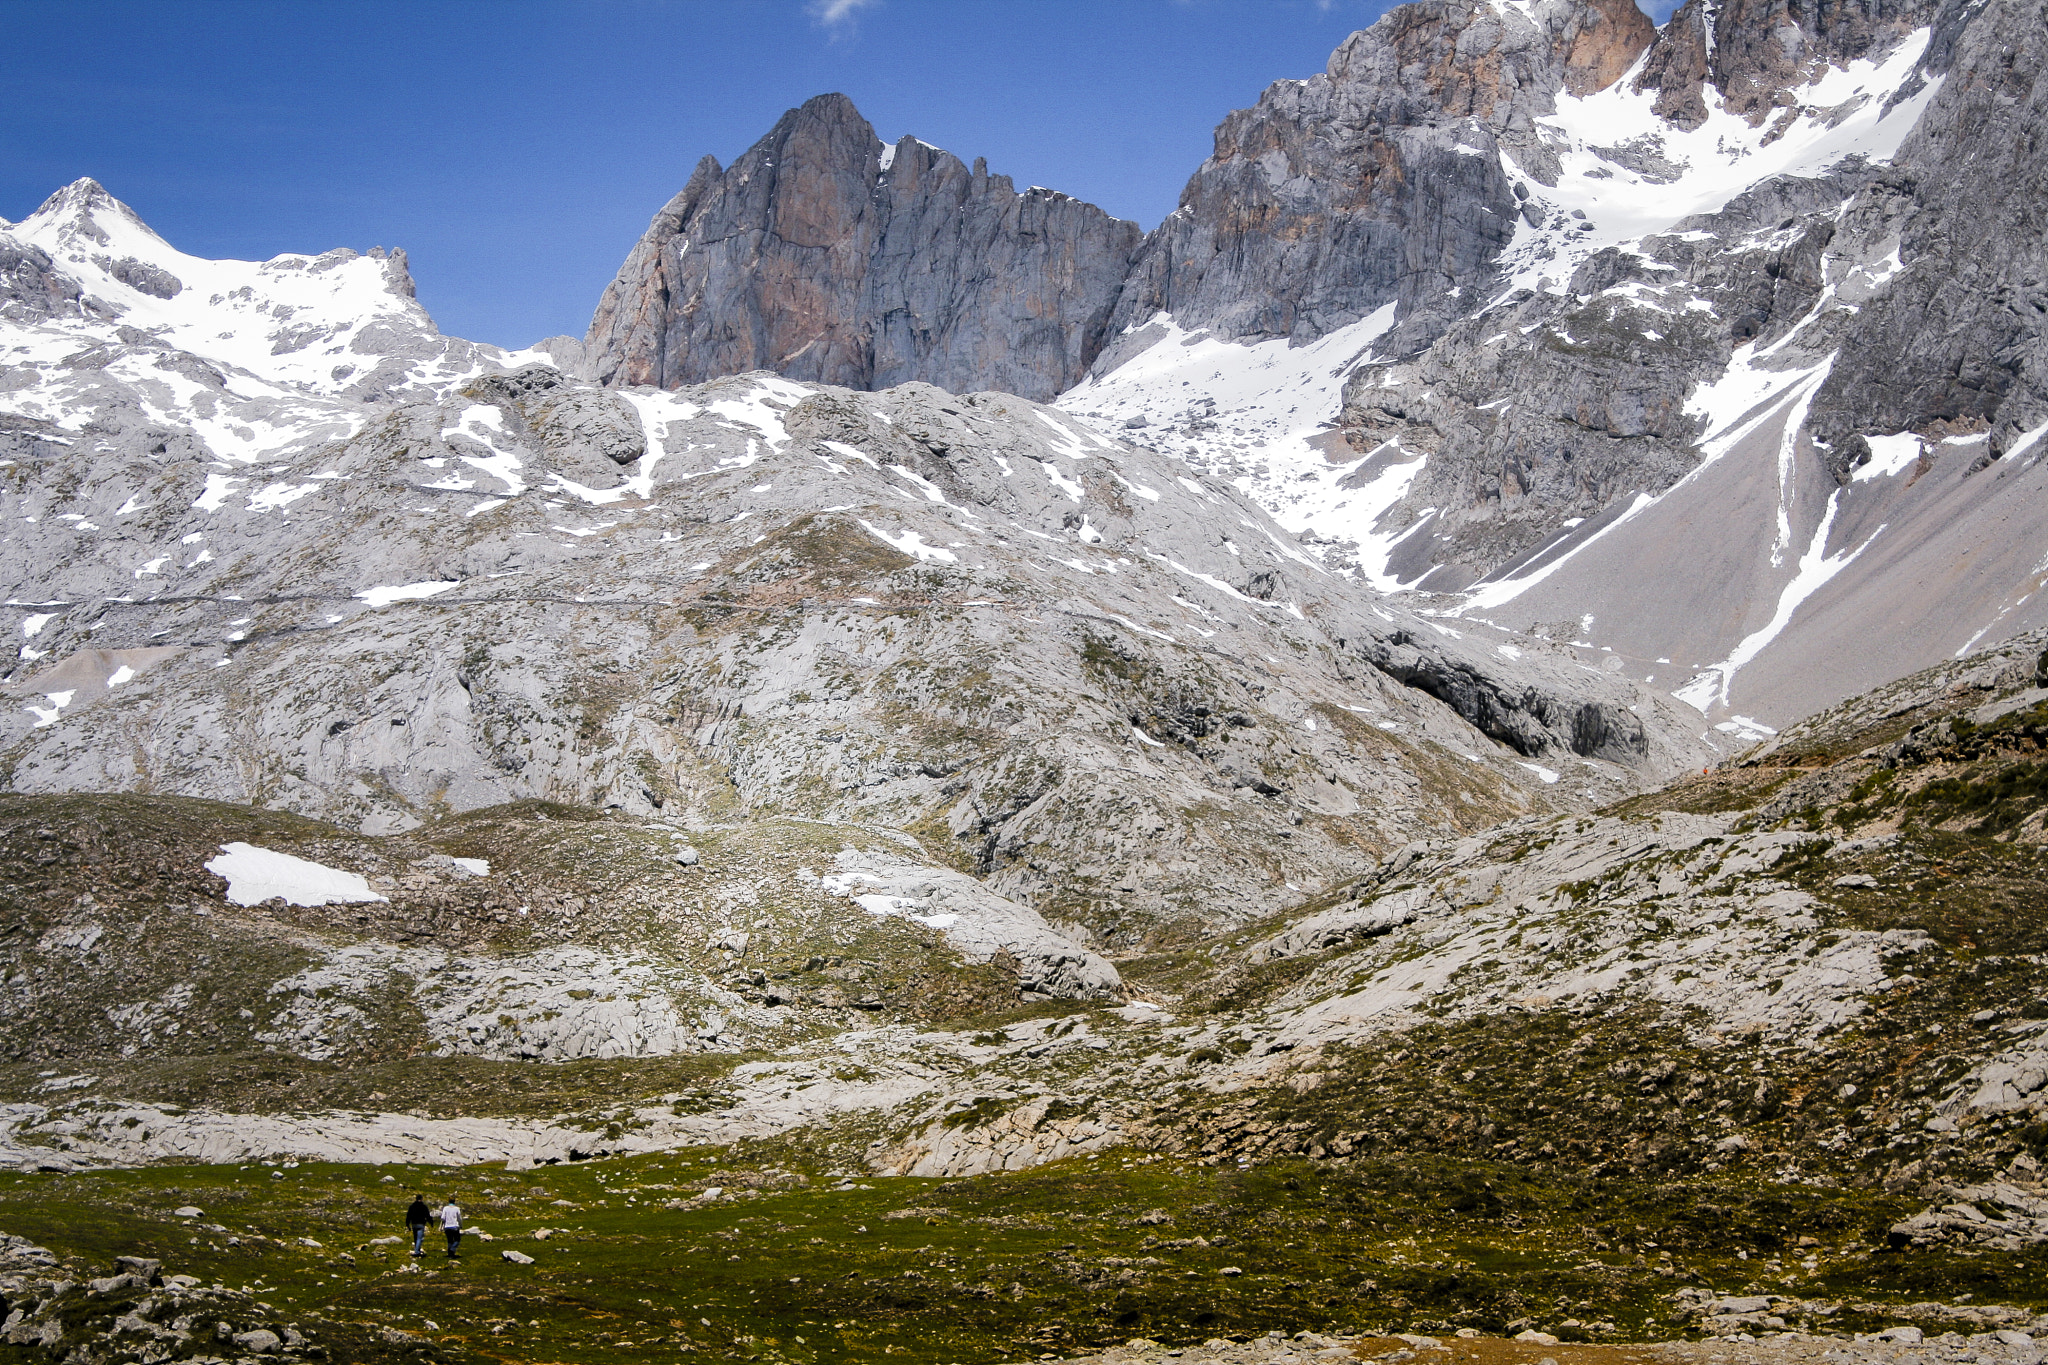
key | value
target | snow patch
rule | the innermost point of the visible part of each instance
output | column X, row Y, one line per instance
column 409, row 592
column 255, row 874
column 912, row 544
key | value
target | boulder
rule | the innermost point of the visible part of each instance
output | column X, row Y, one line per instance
column 147, row 1269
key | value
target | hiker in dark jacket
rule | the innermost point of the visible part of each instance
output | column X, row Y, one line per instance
column 417, row 1218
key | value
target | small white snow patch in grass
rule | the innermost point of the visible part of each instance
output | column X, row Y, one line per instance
column 475, row 867
column 409, row 592
column 1548, row 775
column 254, row 875
column 1144, row 738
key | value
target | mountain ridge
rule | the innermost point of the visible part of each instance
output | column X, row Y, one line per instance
column 1640, row 232
column 973, row 877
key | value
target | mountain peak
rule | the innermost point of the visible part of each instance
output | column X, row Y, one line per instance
column 831, row 105
column 76, row 208
column 82, row 193
column 846, row 275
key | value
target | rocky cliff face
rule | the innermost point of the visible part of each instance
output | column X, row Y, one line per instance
column 1843, row 330
column 1754, row 54
column 826, row 256
column 1955, row 341
column 1381, row 180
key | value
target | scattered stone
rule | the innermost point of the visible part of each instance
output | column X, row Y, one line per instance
column 147, row 1269
column 188, row 1211
column 515, row 1257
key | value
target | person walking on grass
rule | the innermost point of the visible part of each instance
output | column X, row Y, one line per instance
column 451, row 1223
column 416, row 1219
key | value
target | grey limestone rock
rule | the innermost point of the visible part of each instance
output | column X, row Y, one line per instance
column 1958, row 340
column 1754, row 52
column 1599, row 393
column 1914, row 283
column 570, row 421
column 1045, row 644
column 30, row 285
column 822, row 255
column 1380, row 180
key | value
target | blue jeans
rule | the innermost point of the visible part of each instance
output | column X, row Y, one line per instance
column 419, row 1238
column 454, row 1239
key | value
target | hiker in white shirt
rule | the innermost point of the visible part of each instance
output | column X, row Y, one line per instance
column 451, row 1223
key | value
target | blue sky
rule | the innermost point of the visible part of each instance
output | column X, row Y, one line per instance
column 517, row 149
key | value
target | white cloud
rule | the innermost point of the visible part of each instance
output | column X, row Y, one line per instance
column 838, row 14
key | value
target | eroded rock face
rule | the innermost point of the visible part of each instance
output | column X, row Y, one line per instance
column 1956, row 339
column 1913, row 284
column 824, row 255
column 1061, row 657
column 1380, row 180
column 1753, row 52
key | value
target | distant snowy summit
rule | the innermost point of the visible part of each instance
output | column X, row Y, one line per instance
column 105, row 325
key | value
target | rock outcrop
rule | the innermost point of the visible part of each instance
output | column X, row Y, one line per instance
column 1957, row 341
column 1381, row 180
column 1753, row 54
column 824, row 255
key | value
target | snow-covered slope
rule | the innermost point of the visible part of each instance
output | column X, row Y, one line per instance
column 1618, row 445
column 104, row 325
column 1260, row 415
column 1265, row 413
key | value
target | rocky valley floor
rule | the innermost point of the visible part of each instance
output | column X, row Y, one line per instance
column 1754, row 1061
